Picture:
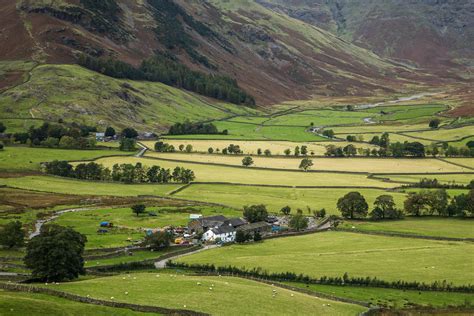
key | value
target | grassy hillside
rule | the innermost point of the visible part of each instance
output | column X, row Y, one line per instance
column 73, row 93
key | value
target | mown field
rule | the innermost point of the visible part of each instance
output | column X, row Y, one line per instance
column 334, row 253
column 28, row 158
column 444, row 134
column 213, row 173
column 425, row 226
column 229, row 296
column 369, row 165
column 251, row 147
column 276, row 198
column 68, row 186
column 20, row 303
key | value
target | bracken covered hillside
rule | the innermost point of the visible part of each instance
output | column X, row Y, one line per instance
column 273, row 56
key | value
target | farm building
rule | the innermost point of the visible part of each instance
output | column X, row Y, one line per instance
column 224, row 233
column 202, row 224
column 258, row 227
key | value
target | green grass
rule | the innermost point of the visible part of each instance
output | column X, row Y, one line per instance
column 213, row 173
column 319, row 118
column 67, row 186
column 230, row 296
column 276, row 198
column 20, row 125
column 443, row 178
column 20, row 303
column 425, row 226
column 468, row 162
column 28, row 158
column 334, row 253
column 404, row 112
column 445, row 134
column 140, row 255
column 80, row 95
column 389, row 297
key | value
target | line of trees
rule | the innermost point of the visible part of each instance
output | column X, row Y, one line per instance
column 164, row 69
column 126, row 173
column 56, row 135
column 328, row 280
column 353, row 205
column 435, row 184
column 188, row 128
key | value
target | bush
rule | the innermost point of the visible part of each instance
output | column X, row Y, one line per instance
column 12, row 235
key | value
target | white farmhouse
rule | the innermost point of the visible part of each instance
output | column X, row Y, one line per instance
column 224, row 233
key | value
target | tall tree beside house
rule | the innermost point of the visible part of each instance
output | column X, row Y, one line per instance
column 353, row 205
column 129, row 133
column 255, row 213
column 56, row 254
column 109, row 132
column 298, row 222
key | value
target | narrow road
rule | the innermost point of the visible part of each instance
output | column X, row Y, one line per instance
column 162, row 263
column 41, row 222
column 142, row 151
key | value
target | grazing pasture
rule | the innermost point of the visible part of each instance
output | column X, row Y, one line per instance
column 276, row 198
column 389, row 297
column 28, row 158
column 360, row 255
column 213, row 173
column 21, row 303
column 424, row 226
column 389, row 127
column 406, row 112
column 468, row 162
column 319, row 118
column 369, row 165
column 229, row 296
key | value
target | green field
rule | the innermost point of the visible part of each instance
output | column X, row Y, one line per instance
column 406, row 112
column 28, row 158
column 458, row 178
column 319, row 118
column 334, row 253
column 390, row 297
column 140, row 255
column 20, row 125
column 445, row 134
column 68, row 186
column 20, row 303
column 229, row 296
column 425, row 226
column 276, row 198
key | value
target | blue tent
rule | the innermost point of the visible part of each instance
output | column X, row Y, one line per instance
column 104, row 224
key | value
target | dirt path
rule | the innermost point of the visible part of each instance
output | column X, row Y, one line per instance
column 40, row 223
column 142, row 152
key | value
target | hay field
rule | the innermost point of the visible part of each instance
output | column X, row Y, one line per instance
column 213, row 173
column 370, row 165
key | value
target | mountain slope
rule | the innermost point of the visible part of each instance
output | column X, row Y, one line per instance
column 74, row 94
column 274, row 57
column 431, row 33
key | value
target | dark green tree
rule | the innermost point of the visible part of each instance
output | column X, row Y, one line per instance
column 298, row 222
column 305, row 164
column 138, row 209
column 109, row 132
column 12, row 235
column 129, row 133
column 159, row 240
column 247, row 161
column 286, row 210
column 434, row 123
column 353, row 205
column 255, row 213
column 56, row 254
